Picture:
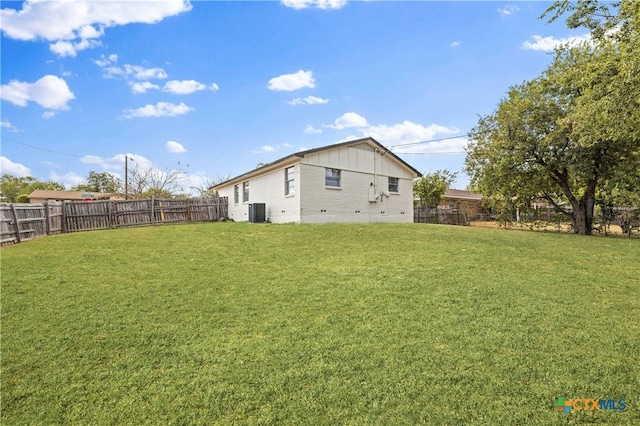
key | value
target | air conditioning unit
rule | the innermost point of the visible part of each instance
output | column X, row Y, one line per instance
column 257, row 213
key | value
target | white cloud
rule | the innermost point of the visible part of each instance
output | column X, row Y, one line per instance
column 311, row 129
column 404, row 133
column 455, row 44
column 106, row 60
column 270, row 148
column 89, row 31
column 142, row 87
column 290, row 82
column 449, row 146
column 186, row 87
column 49, row 114
column 49, row 92
column 10, row 127
column 161, row 109
column 508, row 10
column 138, row 76
column 110, row 68
column 116, row 163
column 14, row 169
column 297, row 4
column 309, row 100
column 407, row 132
column 69, row 180
column 331, row 4
column 63, row 48
column 264, row 149
column 174, row 147
column 349, row 119
column 320, row 4
column 81, row 20
column 549, row 43
column 67, row 48
column 136, row 72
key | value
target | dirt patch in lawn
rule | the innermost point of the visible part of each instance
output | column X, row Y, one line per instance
column 614, row 230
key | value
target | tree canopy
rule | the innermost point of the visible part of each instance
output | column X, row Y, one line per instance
column 101, row 182
column 151, row 182
column 575, row 130
column 431, row 187
column 16, row 189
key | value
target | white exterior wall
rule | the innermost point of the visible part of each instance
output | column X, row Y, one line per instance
column 350, row 202
column 364, row 170
column 268, row 189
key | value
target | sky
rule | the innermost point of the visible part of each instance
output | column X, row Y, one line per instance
column 214, row 88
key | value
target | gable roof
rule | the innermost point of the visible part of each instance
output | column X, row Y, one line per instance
column 67, row 195
column 462, row 194
column 293, row 158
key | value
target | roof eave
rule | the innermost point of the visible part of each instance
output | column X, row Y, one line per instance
column 292, row 158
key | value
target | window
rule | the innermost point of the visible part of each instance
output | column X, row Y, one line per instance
column 236, row 194
column 289, row 181
column 394, row 184
column 245, row 192
column 332, row 177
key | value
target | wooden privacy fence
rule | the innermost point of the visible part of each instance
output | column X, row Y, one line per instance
column 22, row 222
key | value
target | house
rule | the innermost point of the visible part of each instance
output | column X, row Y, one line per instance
column 41, row 195
column 467, row 201
column 355, row 181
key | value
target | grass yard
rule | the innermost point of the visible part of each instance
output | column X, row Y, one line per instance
column 229, row 323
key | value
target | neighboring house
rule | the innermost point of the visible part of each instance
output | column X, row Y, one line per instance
column 356, row 181
column 41, row 195
column 467, row 201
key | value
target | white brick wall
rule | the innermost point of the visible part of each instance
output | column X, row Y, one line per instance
column 313, row 202
column 268, row 189
column 350, row 203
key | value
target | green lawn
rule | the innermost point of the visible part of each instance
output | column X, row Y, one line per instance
column 228, row 323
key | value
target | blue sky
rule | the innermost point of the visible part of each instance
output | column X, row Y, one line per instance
column 214, row 88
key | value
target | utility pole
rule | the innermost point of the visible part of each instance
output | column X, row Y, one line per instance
column 126, row 177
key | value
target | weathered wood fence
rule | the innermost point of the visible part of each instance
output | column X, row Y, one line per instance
column 22, row 222
column 424, row 214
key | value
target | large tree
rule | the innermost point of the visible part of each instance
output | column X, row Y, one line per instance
column 100, row 182
column 567, row 134
column 147, row 182
column 431, row 187
column 15, row 189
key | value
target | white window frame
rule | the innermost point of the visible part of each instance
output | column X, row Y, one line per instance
column 245, row 192
column 330, row 178
column 289, row 181
column 236, row 194
column 395, row 185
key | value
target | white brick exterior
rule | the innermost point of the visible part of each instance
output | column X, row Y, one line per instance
column 365, row 169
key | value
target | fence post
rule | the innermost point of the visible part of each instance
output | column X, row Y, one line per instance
column 64, row 218
column 47, row 217
column 153, row 213
column 15, row 221
column 110, row 212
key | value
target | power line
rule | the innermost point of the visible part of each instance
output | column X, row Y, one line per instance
column 40, row 148
column 429, row 141
column 431, row 153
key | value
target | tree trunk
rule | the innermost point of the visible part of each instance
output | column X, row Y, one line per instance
column 583, row 214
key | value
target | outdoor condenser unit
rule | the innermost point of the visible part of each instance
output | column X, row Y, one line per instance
column 257, row 213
